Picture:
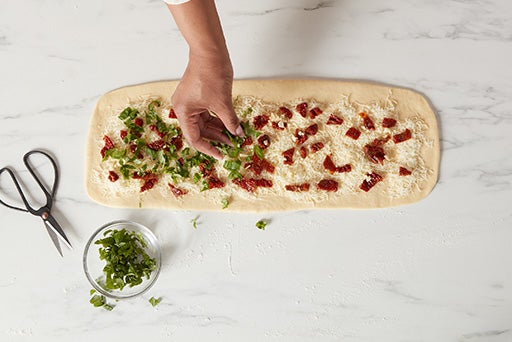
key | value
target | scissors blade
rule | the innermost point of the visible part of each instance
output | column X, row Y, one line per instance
column 55, row 227
column 55, row 239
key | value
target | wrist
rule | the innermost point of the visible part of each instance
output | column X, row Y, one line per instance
column 209, row 52
column 211, row 59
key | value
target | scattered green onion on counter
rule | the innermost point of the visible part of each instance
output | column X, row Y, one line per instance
column 261, row 224
column 155, row 301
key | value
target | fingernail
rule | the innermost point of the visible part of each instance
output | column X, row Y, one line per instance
column 239, row 131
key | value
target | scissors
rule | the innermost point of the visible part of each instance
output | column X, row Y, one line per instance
column 44, row 212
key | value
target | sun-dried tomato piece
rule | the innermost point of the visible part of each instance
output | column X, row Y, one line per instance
column 214, row 182
column 177, row 142
column 247, row 184
column 367, row 121
column 353, row 133
column 264, row 141
column 279, row 125
column 138, row 121
column 172, row 114
column 108, row 145
column 374, row 153
column 314, row 112
column 177, row 192
column 112, row 176
column 311, row 130
column 156, row 145
column 300, row 136
column 334, row 120
column 251, row 184
column 267, row 166
column 316, row 147
column 149, row 182
column 206, row 169
column 302, row 109
column 404, row 172
column 260, row 121
column 344, row 168
column 303, row 152
column 247, row 141
column 288, row 156
column 123, row 133
column 297, row 187
column 286, row 112
column 329, row 164
column 367, row 184
column 257, row 165
column 108, row 142
column 381, row 141
column 401, row 137
column 262, row 182
column 328, row 185
column 388, row 122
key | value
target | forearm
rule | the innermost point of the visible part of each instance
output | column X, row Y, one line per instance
column 199, row 24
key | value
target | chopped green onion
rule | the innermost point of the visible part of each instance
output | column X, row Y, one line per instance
column 232, row 165
column 115, row 153
column 235, row 175
column 194, row 222
column 154, row 103
column 108, row 307
column 197, row 177
column 155, row 301
column 247, row 112
column 127, row 262
column 258, row 151
column 128, row 113
column 249, row 131
column 205, row 186
column 97, row 300
column 261, row 224
column 225, row 203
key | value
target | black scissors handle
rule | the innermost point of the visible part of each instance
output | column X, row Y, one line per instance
column 49, row 194
column 15, row 181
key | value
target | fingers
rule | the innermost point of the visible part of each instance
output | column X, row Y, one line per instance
column 227, row 115
column 216, row 135
column 198, row 130
column 204, row 146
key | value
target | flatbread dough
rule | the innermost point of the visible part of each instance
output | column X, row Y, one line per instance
column 408, row 104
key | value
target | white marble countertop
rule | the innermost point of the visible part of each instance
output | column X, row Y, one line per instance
column 437, row 270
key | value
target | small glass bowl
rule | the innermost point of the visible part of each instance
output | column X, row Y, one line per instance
column 93, row 265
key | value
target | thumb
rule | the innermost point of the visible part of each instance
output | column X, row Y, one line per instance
column 228, row 117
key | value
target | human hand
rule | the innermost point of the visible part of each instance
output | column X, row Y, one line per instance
column 203, row 103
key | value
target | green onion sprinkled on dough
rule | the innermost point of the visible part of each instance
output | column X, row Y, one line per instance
column 127, row 262
column 225, row 203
